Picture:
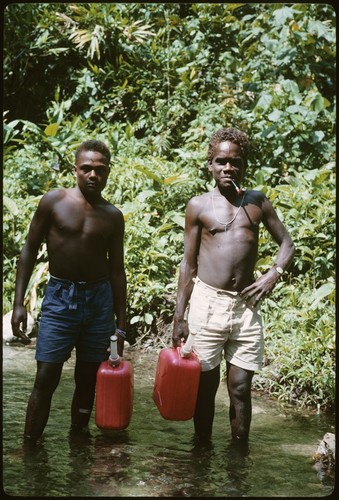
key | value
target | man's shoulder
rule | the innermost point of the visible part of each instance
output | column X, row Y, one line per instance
column 57, row 194
column 53, row 196
column 196, row 205
column 111, row 209
column 200, row 198
column 255, row 195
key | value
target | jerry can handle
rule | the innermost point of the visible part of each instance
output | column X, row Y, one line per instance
column 186, row 348
column 114, row 358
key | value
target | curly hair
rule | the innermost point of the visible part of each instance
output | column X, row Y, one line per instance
column 93, row 145
column 229, row 134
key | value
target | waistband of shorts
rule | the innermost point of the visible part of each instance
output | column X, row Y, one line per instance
column 218, row 291
column 79, row 284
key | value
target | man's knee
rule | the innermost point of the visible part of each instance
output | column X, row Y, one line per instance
column 239, row 382
column 47, row 377
column 240, row 391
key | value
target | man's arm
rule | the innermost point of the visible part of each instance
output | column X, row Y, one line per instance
column 265, row 284
column 187, row 270
column 36, row 234
column 118, row 277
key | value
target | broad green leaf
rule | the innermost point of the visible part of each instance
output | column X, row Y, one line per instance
column 275, row 115
column 149, row 174
column 148, row 318
column 51, row 129
column 10, row 205
column 322, row 292
column 264, row 101
column 134, row 320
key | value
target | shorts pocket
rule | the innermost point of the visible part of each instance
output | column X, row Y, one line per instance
column 199, row 313
column 56, row 297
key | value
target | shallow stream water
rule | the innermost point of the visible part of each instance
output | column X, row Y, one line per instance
column 155, row 457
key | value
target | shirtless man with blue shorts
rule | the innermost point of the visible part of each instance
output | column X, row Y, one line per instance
column 85, row 300
column 217, row 284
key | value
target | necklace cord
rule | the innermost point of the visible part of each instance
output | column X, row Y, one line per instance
column 225, row 224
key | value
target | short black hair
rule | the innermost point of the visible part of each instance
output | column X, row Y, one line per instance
column 94, row 145
column 229, row 134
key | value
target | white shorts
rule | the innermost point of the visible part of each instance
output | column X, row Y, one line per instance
column 220, row 320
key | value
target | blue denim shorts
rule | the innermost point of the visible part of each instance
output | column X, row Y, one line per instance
column 76, row 315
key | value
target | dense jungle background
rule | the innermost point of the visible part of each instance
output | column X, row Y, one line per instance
column 154, row 80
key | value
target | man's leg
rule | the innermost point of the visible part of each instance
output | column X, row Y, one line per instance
column 84, row 393
column 39, row 404
column 204, row 411
column 239, row 388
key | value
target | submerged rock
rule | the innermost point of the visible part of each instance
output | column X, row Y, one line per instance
column 324, row 458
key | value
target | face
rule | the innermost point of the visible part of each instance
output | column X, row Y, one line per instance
column 91, row 171
column 227, row 164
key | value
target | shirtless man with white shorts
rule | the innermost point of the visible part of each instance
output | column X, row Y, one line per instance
column 217, row 284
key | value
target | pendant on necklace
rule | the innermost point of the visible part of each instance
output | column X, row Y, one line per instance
column 228, row 224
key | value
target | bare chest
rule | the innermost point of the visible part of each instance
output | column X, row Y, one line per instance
column 221, row 216
column 81, row 223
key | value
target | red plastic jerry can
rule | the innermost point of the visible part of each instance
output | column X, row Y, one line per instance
column 114, row 392
column 176, row 384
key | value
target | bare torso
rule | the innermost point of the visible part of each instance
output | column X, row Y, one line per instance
column 227, row 258
column 79, row 235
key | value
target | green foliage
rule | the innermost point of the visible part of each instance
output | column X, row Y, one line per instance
column 300, row 343
column 154, row 81
column 305, row 202
column 152, row 195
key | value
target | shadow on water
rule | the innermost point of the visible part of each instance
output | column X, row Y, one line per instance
column 155, row 457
